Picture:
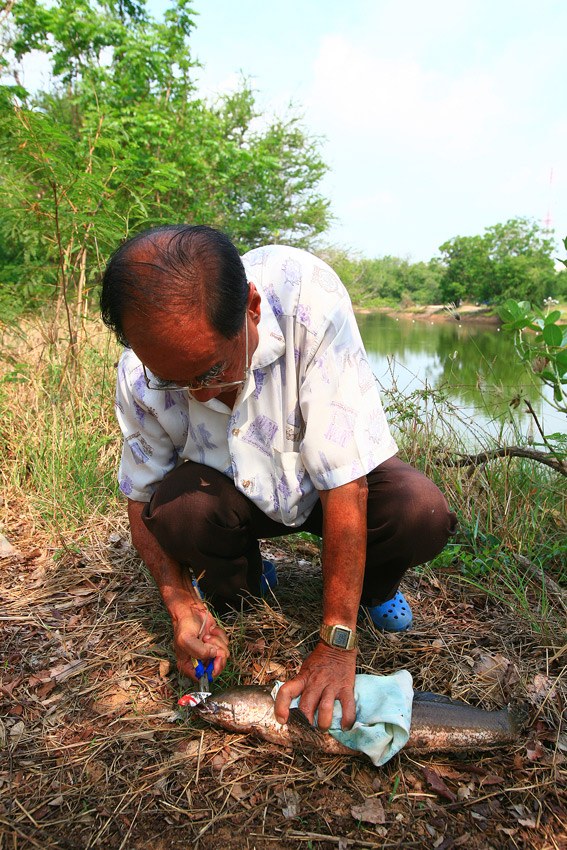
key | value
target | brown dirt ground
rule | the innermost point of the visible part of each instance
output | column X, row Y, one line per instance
column 466, row 314
column 93, row 752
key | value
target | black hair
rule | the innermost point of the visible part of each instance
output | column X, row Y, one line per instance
column 176, row 269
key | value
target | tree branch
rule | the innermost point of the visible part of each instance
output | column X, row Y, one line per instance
column 508, row 451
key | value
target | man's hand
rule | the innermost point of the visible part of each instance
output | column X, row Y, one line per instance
column 196, row 635
column 326, row 675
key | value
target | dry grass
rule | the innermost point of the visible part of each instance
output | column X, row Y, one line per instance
column 95, row 753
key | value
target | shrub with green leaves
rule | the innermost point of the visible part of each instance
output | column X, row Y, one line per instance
column 541, row 342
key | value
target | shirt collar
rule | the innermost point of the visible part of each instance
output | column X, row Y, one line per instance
column 271, row 342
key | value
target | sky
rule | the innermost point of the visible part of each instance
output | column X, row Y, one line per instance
column 437, row 119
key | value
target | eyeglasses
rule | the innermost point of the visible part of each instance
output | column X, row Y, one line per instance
column 155, row 383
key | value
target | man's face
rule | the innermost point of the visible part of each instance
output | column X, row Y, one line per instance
column 188, row 352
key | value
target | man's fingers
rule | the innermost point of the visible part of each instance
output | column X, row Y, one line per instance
column 286, row 693
column 349, row 710
column 325, row 710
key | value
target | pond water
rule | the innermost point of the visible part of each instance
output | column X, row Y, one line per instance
column 473, row 364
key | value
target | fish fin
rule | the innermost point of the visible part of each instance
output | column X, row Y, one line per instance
column 298, row 719
column 303, row 735
column 429, row 696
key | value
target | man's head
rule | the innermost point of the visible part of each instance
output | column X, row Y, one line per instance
column 175, row 270
column 179, row 297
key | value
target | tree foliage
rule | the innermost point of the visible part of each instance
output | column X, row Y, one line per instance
column 121, row 140
column 510, row 260
column 387, row 279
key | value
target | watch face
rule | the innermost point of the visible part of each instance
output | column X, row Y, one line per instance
column 341, row 637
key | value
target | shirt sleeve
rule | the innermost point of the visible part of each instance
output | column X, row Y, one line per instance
column 346, row 431
column 148, row 452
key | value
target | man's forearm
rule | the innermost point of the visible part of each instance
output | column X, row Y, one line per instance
column 174, row 583
column 344, row 551
column 196, row 634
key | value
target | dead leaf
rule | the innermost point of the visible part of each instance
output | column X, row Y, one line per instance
column 37, row 578
column 38, row 678
column 507, row 830
column 371, row 811
column 111, row 701
column 45, row 690
column 7, row 688
column 535, row 750
column 272, row 669
column 164, row 668
column 257, row 646
column 220, row 759
column 529, row 822
column 190, row 748
column 464, row 791
column 57, row 801
column 491, row 779
column 238, row 791
column 539, row 689
column 6, row 548
column 288, row 798
column 496, row 671
column 436, row 783
column 64, row 671
column 95, row 770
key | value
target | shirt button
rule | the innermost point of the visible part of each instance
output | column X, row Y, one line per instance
column 235, row 432
column 246, row 484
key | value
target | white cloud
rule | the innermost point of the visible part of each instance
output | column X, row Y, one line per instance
column 358, row 95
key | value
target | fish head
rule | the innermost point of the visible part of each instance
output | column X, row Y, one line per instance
column 239, row 709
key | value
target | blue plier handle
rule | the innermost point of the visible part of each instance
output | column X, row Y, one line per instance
column 204, row 674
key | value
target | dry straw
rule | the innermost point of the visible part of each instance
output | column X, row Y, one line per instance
column 94, row 752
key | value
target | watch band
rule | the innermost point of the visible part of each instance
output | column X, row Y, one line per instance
column 338, row 636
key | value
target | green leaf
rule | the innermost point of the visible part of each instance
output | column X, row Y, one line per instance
column 552, row 317
column 561, row 362
column 552, row 335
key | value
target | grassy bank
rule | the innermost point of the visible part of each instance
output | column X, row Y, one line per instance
column 97, row 755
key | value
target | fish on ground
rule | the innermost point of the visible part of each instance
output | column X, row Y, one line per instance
column 438, row 723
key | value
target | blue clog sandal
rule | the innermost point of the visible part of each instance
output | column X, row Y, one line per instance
column 269, row 578
column 392, row 616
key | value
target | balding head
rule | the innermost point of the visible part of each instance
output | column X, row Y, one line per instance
column 175, row 270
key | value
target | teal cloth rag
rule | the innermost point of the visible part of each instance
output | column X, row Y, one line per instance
column 383, row 715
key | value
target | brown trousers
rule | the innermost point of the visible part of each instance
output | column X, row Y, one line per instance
column 201, row 519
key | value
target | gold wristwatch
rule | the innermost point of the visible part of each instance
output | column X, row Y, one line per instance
column 340, row 637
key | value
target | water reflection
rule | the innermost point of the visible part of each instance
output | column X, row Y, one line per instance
column 474, row 364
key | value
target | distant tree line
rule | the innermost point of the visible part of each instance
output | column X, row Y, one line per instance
column 510, row 260
column 119, row 140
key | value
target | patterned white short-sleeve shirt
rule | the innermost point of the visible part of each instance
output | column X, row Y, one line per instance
column 309, row 417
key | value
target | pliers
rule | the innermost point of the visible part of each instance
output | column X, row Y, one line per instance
column 204, row 674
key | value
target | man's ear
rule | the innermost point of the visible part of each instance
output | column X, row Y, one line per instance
column 254, row 300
